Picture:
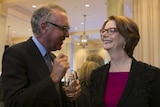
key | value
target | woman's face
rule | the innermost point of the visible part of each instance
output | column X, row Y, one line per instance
column 111, row 38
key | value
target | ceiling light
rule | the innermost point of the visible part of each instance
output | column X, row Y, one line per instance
column 82, row 23
column 87, row 5
column 34, row 6
column 84, row 37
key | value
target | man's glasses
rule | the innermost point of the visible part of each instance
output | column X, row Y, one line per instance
column 109, row 31
column 63, row 28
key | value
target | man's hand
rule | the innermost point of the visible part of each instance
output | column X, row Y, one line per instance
column 76, row 91
column 60, row 67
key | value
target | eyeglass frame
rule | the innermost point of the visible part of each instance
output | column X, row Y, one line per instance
column 109, row 31
column 63, row 28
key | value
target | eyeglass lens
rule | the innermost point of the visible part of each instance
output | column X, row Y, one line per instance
column 109, row 31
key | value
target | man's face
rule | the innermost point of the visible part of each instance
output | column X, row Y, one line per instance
column 56, row 32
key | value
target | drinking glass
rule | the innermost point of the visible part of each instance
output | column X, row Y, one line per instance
column 69, row 83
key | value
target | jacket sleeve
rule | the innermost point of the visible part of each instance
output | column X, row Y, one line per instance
column 155, row 98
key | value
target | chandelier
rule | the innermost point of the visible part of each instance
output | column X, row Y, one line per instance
column 84, row 37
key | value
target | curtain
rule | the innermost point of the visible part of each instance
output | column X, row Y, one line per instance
column 146, row 14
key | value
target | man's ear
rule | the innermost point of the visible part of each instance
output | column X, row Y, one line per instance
column 43, row 26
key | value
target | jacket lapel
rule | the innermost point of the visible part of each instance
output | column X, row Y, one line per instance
column 129, row 84
column 37, row 59
column 99, row 86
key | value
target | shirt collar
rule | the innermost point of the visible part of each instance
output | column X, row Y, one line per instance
column 41, row 48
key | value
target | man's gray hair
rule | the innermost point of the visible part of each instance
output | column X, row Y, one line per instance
column 43, row 14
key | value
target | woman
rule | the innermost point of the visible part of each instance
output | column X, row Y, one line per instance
column 84, row 78
column 124, row 81
column 96, row 58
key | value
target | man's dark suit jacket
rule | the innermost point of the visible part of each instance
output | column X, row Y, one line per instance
column 142, row 88
column 25, row 78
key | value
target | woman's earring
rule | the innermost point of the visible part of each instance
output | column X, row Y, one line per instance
column 123, row 46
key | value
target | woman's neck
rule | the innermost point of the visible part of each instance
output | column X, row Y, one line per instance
column 120, row 63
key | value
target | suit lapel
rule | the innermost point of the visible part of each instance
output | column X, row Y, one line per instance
column 37, row 59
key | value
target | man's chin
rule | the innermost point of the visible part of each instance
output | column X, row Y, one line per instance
column 59, row 48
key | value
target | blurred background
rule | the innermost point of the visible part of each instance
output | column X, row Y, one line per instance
column 15, row 26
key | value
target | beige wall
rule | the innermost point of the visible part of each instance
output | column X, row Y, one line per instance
column 3, row 20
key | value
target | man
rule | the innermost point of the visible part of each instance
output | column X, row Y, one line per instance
column 27, row 80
